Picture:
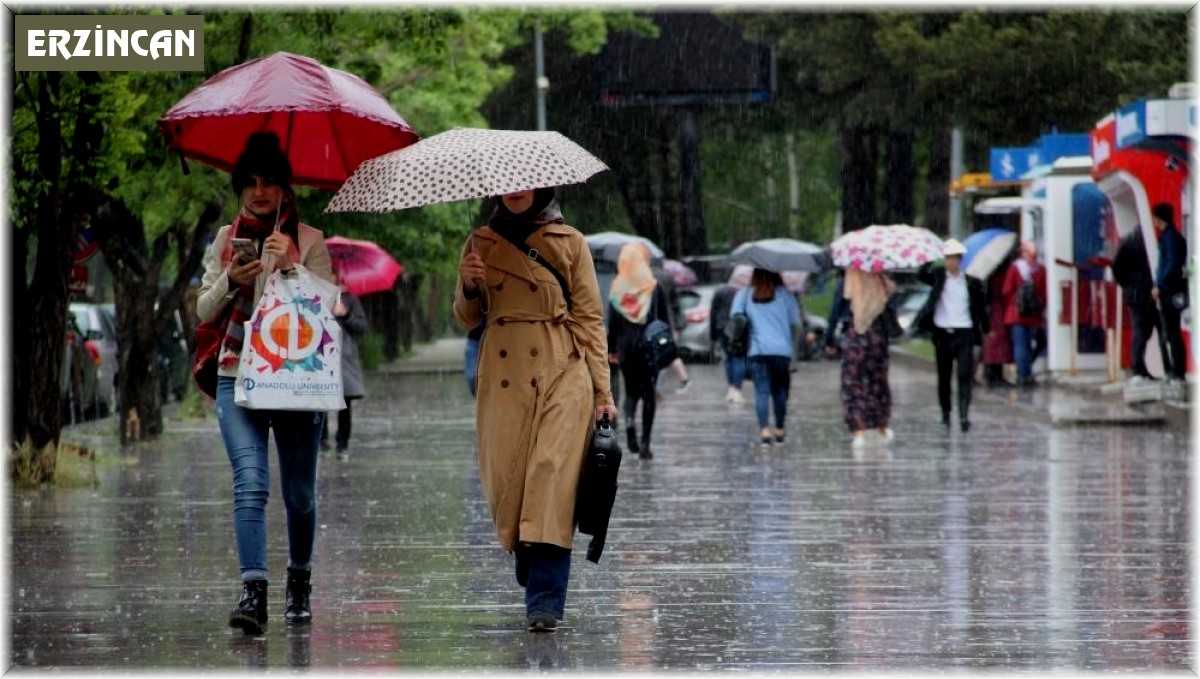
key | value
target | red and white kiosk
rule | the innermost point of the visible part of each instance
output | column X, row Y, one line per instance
column 1142, row 156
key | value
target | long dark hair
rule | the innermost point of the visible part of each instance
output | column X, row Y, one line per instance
column 764, row 283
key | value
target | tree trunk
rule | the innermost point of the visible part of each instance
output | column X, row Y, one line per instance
column 898, row 178
column 859, row 170
column 626, row 149
column 691, row 239
column 40, row 336
column 937, row 200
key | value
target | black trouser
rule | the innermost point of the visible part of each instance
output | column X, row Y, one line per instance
column 343, row 430
column 640, row 381
column 951, row 346
column 1145, row 320
column 1177, row 362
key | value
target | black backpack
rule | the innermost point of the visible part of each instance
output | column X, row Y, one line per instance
column 1028, row 302
column 658, row 342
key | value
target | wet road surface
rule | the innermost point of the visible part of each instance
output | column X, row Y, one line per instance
column 1019, row 546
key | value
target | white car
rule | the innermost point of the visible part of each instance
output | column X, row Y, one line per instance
column 696, row 304
column 99, row 326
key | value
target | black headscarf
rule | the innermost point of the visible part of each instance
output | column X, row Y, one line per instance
column 544, row 210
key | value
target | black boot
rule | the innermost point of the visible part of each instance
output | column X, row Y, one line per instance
column 251, row 612
column 297, row 611
column 645, row 453
column 631, row 438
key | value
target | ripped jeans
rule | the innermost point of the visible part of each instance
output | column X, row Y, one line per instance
column 297, row 434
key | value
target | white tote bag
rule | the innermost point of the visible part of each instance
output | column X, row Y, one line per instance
column 292, row 352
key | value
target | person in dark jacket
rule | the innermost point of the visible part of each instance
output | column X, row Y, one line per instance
column 735, row 366
column 675, row 319
column 350, row 315
column 956, row 316
column 1170, row 287
column 635, row 299
column 839, row 318
column 1131, row 271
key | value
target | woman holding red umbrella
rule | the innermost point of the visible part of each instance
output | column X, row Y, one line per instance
column 232, row 284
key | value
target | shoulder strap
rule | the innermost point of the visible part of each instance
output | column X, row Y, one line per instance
column 536, row 256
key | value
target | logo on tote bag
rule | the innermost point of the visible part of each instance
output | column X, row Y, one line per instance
column 291, row 335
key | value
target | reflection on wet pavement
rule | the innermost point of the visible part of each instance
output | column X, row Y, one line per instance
column 1019, row 546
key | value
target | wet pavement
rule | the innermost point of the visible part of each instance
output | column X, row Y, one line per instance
column 1029, row 544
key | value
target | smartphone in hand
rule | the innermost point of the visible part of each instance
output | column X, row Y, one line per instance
column 244, row 251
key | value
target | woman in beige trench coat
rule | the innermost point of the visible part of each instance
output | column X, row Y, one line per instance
column 542, row 382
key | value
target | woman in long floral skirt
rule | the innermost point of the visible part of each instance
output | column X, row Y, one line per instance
column 866, row 394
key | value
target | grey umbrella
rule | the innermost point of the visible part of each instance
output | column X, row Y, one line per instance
column 606, row 246
column 462, row 164
column 782, row 254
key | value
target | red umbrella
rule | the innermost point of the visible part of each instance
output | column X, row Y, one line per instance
column 329, row 121
column 362, row 266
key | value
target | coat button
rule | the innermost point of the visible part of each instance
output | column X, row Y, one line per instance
column 504, row 384
column 533, row 287
column 500, row 322
column 503, row 353
column 533, row 352
column 533, row 383
column 499, row 287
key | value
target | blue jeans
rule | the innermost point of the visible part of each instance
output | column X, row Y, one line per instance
column 471, row 363
column 1023, row 337
column 543, row 569
column 735, row 370
column 297, row 434
column 772, row 380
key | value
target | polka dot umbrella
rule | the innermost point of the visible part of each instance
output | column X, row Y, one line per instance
column 463, row 164
column 886, row 248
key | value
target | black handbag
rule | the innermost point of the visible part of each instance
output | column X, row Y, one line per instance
column 598, row 487
column 737, row 334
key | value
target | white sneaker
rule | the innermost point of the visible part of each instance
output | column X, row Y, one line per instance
column 889, row 435
column 859, row 442
column 683, row 388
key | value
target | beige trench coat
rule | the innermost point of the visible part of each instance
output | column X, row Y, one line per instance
column 542, row 373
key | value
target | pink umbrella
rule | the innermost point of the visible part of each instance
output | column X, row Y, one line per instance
column 794, row 280
column 886, row 248
column 681, row 273
column 362, row 266
column 329, row 121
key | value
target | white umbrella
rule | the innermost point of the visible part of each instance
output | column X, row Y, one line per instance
column 462, row 164
column 886, row 248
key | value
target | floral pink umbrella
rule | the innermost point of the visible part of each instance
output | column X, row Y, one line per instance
column 362, row 266
column 886, row 248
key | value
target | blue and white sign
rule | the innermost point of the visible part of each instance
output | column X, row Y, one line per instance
column 1131, row 124
column 1008, row 164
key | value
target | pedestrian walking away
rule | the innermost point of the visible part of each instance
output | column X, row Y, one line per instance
column 1131, row 271
column 866, row 394
column 230, row 289
column 774, row 316
column 353, row 320
column 635, row 298
column 735, row 366
column 1024, row 311
column 997, row 343
column 542, row 382
column 1170, row 291
column 675, row 318
column 955, row 317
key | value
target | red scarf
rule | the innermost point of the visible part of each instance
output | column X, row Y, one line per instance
column 249, row 225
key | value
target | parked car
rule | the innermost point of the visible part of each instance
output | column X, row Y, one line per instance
column 909, row 300
column 98, row 324
column 78, row 383
column 696, row 304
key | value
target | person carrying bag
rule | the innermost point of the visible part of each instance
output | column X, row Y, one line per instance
column 267, row 247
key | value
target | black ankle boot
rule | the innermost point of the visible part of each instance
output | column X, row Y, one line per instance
column 297, row 611
column 251, row 612
column 631, row 438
